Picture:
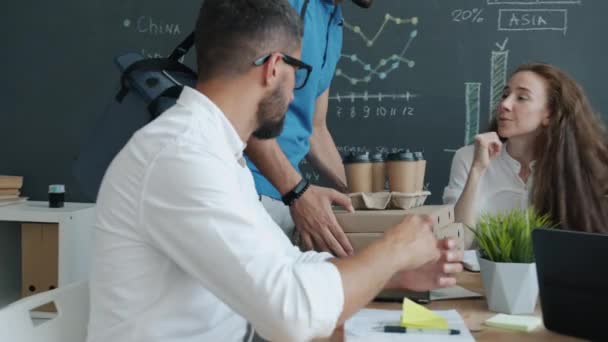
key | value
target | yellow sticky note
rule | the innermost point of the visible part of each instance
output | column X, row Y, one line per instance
column 417, row 316
column 514, row 322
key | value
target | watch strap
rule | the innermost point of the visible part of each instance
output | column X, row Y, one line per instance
column 296, row 192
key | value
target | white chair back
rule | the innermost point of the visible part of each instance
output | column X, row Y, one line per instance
column 69, row 325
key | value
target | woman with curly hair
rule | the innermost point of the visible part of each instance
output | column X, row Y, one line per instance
column 546, row 147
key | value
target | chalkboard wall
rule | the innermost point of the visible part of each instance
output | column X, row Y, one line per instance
column 418, row 74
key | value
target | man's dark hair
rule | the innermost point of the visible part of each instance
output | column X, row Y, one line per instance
column 231, row 34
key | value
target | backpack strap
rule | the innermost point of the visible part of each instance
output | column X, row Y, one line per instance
column 183, row 47
column 171, row 92
column 150, row 64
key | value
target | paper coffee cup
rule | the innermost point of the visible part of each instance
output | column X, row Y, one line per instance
column 358, row 172
column 401, row 170
column 420, row 170
column 378, row 172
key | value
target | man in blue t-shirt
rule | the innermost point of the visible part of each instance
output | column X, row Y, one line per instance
column 275, row 163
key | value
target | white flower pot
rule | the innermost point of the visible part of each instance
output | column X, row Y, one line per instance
column 511, row 288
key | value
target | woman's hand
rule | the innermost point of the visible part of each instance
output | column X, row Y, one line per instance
column 487, row 147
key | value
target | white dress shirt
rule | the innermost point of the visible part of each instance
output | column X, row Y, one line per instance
column 184, row 250
column 500, row 188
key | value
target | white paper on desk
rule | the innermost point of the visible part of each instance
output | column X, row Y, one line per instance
column 454, row 292
column 470, row 260
column 361, row 326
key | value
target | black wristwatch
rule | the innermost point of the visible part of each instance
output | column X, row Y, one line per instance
column 296, row 192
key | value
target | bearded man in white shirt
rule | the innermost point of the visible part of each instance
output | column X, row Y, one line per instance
column 184, row 250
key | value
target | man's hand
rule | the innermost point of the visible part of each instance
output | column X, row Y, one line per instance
column 435, row 274
column 408, row 255
column 487, row 147
column 316, row 222
column 414, row 238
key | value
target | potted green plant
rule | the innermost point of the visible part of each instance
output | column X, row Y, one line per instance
column 506, row 259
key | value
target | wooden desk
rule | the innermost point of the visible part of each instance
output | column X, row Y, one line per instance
column 475, row 312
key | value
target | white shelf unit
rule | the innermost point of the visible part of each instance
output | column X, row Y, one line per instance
column 74, row 239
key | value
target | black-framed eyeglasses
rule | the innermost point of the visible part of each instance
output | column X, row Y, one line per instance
column 303, row 70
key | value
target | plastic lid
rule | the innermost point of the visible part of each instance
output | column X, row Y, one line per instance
column 56, row 188
column 356, row 158
column 401, row 156
column 377, row 157
column 418, row 155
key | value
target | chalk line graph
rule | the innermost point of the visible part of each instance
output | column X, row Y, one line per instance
column 387, row 18
column 385, row 65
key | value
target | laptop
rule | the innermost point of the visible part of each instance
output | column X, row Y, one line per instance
column 572, row 270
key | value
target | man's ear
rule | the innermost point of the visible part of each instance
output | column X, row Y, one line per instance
column 271, row 70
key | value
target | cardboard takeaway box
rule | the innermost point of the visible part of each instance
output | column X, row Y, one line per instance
column 453, row 230
column 362, row 227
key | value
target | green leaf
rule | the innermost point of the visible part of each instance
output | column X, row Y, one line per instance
column 507, row 237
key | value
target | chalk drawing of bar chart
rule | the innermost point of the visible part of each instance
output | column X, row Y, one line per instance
column 498, row 76
column 498, row 79
column 473, row 110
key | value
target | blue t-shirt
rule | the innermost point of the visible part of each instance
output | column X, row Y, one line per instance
column 321, row 47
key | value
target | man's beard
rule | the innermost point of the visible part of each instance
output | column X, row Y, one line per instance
column 271, row 115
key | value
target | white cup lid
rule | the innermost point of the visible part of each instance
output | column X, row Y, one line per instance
column 56, row 188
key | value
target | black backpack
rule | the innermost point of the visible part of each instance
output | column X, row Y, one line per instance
column 148, row 87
